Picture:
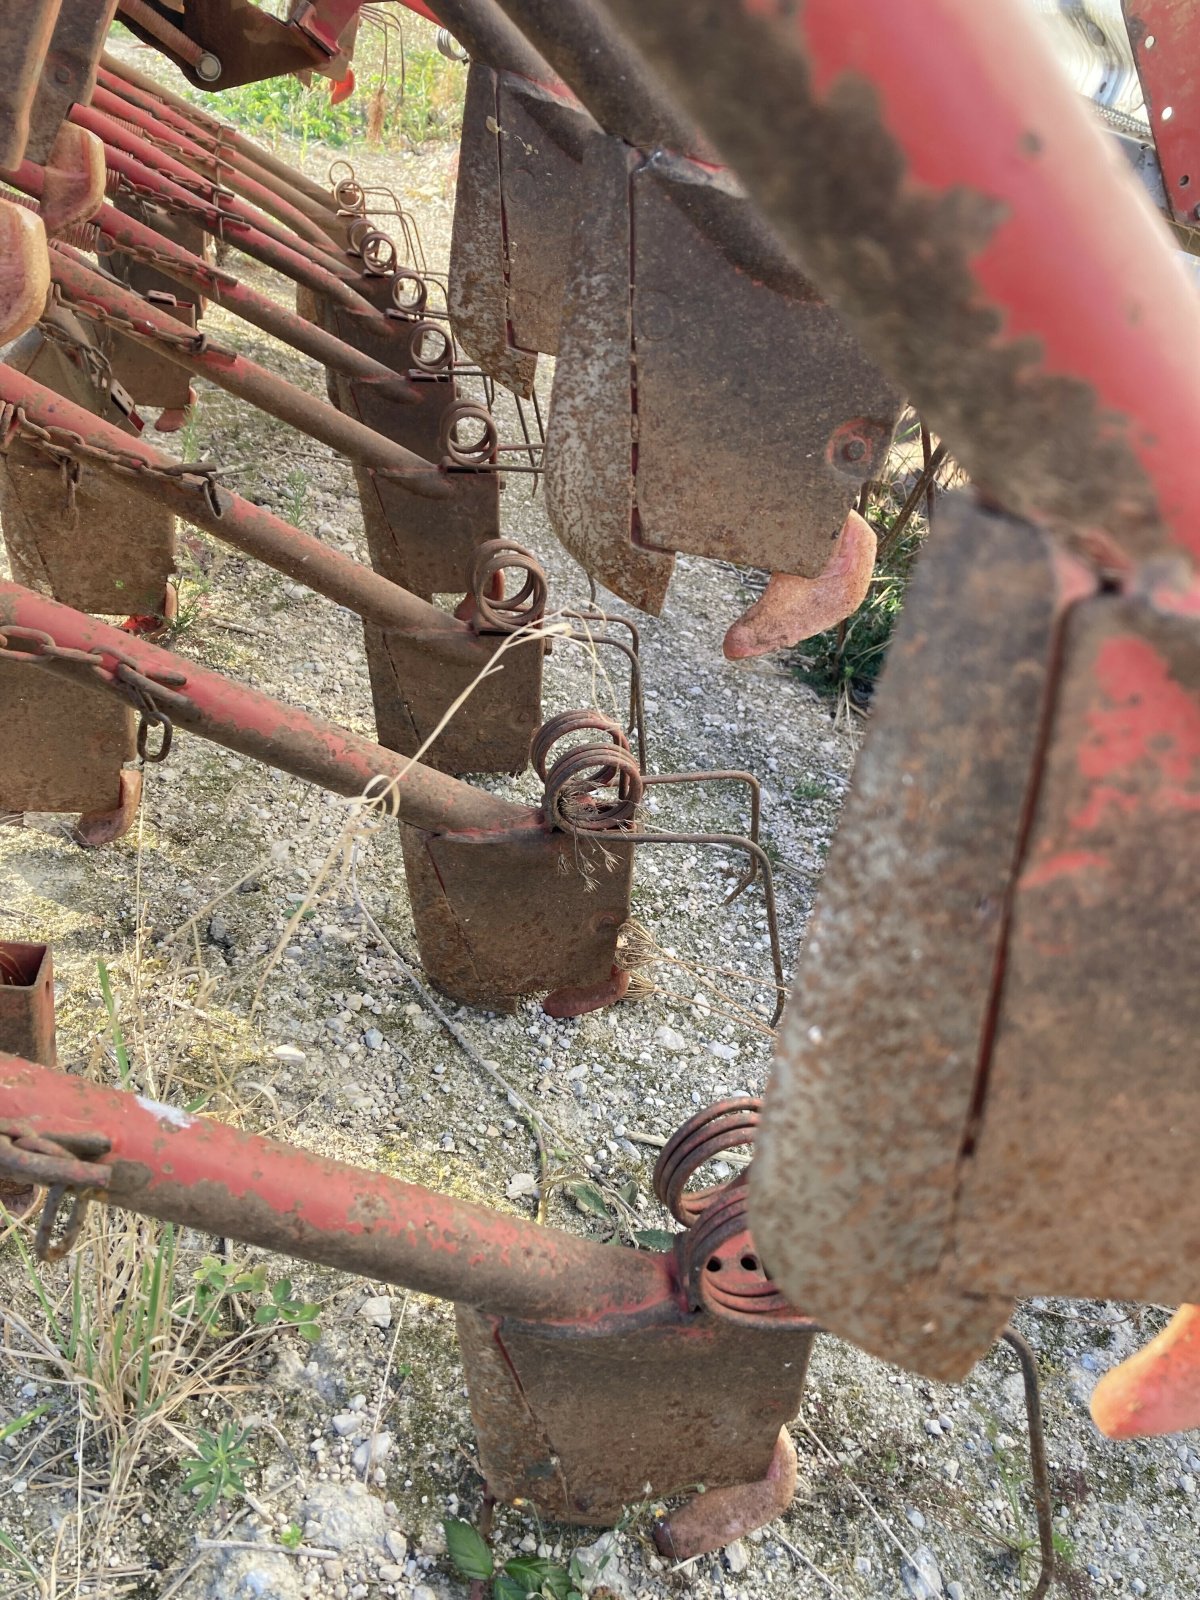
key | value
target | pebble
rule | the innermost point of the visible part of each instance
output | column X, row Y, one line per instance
column 377, row 1311
column 669, row 1038
column 521, row 1185
column 915, row 1517
column 371, row 1451
column 390, row 1572
column 922, row 1576
column 862, row 1565
column 1137, row 1586
column 346, row 1423
column 736, row 1557
column 723, row 1051
column 397, row 1544
column 289, row 1053
column 373, row 1039
column 423, row 1592
column 1187, row 1483
column 954, row 1591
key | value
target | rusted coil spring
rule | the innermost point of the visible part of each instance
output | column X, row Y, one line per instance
column 570, row 799
column 348, row 194
column 410, row 294
column 722, row 1270
column 501, row 613
column 480, row 452
column 430, row 347
column 379, row 256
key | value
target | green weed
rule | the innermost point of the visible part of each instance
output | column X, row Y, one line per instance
column 219, row 1467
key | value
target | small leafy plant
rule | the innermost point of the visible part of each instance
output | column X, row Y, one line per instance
column 216, row 1282
column 281, row 1307
column 219, row 1467
column 519, row 1578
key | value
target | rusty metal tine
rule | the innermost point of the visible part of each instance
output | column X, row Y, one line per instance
column 90, row 295
column 736, row 841
column 1043, row 1498
column 921, row 489
column 637, row 699
column 731, row 776
column 528, row 443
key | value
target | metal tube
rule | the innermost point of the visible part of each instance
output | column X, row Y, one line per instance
column 221, row 152
column 114, row 135
column 177, row 110
column 196, row 159
column 239, row 523
column 929, row 163
column 90, row 294
column 191, row 272
column 203, row 1174
column 281, row 258
column 255, row 725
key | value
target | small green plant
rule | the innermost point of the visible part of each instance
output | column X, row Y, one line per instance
column 118, row 1038
column 219, row 1467
column 297, row 495
column 281, row 1307
column 292, row 1536
column 810, row 789
column 519, row 1578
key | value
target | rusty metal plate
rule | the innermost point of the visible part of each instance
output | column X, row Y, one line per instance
column 139, row 274
column 27, row 1002
column 758, row 415
column 477, row 289
column 63, row 744
column 151, row 378
column 853, row 1183
column 25, row 34
column 568, row 895
column 541, row 143
column 586, row 1423
column 589, row 453
column 69, row 70
column 413, row 689
column 249, row 43
column 1083, row 1177
column 428, row 546
column 98, row 546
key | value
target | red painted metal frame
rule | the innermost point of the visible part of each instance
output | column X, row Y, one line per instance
column 1048, row 337
column 1164, row 35
column 167, row 1164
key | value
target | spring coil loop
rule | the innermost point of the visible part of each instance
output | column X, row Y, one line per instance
column 414, row 301
column 507, row 613
column 449, row 46
column 378, row 253
column 723, row 1126
column 430, row 348
column 722, row 1269
column 471, row 453
column 572, row 800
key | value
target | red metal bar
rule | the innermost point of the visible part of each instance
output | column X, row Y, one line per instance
column 253, row 529
column 190, row 119
column 219, row 152
column 90, row 294
column 136, row 237
column 281, row 258
column 324, row 253
column 947, row 190
column 194, row 158
column 165, row 1163
column 255, row 725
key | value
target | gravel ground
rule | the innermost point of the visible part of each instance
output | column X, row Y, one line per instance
column 359, row 1444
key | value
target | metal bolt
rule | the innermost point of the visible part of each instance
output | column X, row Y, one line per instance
column 62, row 74
column 208, row 68
column 853, row 450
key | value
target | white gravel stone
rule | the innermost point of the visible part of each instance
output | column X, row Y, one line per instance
column 377, row 1311
column 372, row 1451
column 669, row 1038
column 737, row 1558
column 922, row 1576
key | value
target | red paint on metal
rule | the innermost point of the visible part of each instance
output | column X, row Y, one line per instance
column 1123, row 318
column 167, row 1163
column 1064, row 864
column 1163, row 35
column 1150, row 724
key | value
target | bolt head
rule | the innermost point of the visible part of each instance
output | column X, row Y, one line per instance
column 62, row 74
column 853, row 450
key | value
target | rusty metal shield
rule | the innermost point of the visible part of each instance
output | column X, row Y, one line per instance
column 855, row 1179
column 730, row 397
column 477, row 288
column 571, row 891
column 64, row 747
column 27, row 1002
column 71, row 532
